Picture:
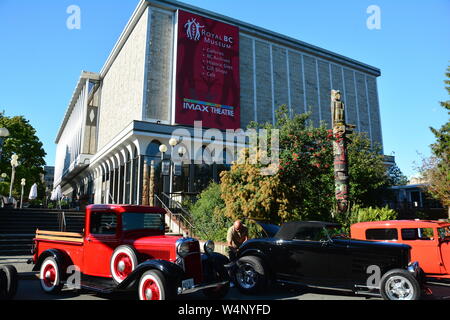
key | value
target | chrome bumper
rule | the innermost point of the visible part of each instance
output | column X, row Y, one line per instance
column 180, row 290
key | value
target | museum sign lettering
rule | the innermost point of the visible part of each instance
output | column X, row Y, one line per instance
column 207, row 74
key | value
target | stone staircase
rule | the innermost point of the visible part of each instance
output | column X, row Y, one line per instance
column 18, row 227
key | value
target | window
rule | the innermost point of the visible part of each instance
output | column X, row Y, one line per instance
column 444, row 232
column 311, row 234
column 382, row 234
column 417, row 234
column 139, row 221
column 103, row 223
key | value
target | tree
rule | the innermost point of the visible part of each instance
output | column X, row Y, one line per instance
column 207, row 215
column 396, row 176
column 369, row 181
column 249, row 194
column 303, row 188
column 436, row 170
column 23, row 142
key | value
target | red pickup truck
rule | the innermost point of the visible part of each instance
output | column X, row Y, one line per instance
column 124, row 248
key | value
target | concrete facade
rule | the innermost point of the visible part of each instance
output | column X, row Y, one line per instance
column 118, row 117
column 122, row 90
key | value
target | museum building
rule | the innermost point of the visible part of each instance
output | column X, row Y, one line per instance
column 175, row 64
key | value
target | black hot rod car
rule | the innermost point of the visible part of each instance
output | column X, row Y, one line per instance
column 314, row 254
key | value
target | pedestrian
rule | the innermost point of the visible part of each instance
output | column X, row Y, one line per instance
column 237, row 234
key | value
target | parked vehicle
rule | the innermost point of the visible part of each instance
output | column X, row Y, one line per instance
column 8, row 282
column 429, row 240
column 313, row 254
column 124, row 248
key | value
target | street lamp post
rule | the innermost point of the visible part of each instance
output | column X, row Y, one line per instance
column 172, row 142
column 163, row 149
column 14, row 164
column 22, row 183
column 4, row 133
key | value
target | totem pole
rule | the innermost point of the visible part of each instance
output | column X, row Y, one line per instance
column 145, row 185
column 340, row 131
column 151, row 193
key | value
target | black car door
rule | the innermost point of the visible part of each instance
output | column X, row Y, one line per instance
column 340, row 258
column 305, row 258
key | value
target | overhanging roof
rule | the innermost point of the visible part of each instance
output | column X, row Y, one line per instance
column 81, row 82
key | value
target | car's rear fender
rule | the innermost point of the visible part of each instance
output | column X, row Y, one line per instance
column 62, row 259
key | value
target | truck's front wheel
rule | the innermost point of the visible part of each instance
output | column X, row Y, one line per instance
column 153, row 286
column 123, row 262
column 50, row 276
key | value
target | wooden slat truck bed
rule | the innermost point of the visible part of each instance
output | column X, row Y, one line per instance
column 59, row 236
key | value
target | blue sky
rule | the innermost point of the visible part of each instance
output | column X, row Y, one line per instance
column 41, row 59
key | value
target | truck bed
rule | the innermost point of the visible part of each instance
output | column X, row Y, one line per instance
column 70, row 243
column 59, row 236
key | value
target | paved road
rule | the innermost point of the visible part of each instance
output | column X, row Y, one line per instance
column 29, row 289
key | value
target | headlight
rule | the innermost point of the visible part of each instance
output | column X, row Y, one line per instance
column 209, row 246
column 183, row 249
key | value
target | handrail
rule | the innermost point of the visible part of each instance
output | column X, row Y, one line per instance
column 177, row 204
column 187, row 224
column 185, row 215
column 62, row 221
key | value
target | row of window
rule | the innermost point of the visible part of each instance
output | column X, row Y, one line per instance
column 409, row 234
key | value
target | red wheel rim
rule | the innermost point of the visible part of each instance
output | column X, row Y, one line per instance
column 49, row 275
column 150, row 290
column 123, row 265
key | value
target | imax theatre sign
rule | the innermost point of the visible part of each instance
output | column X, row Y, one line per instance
column 207, row 76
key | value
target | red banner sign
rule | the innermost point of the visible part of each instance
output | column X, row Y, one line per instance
column 207, row 77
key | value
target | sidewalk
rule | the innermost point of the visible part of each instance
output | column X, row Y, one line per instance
column 20, row 262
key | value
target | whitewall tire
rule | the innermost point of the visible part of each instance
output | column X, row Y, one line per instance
column 123, row 262
column 50, row 276
column 152, row 286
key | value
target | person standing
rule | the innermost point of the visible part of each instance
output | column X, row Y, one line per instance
column 237, row 234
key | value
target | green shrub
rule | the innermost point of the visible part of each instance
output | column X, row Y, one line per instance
column 4, row 188
column 35, row 203
column 207, row 215
column 358, row 214
column 65, row 204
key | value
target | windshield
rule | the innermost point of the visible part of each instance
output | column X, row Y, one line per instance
column 138, row 221
column 444, row 232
